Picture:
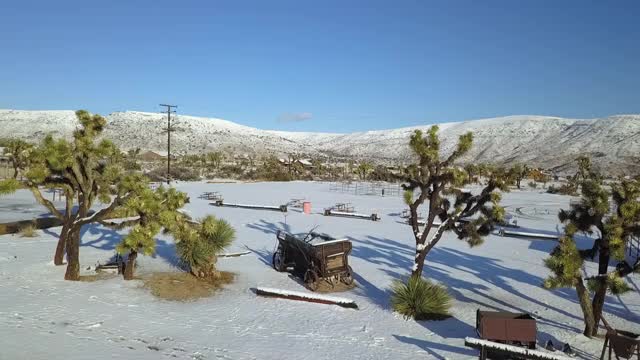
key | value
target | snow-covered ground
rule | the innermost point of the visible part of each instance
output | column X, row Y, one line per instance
column 44, row 317
column 20, row 206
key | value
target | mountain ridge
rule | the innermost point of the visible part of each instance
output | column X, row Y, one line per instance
column 546, row 141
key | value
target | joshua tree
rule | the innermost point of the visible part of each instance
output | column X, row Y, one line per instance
column 439, row 182
column 614, row 217
column 293, row 163
column 363, row 169
column 272, row 170
column 215, row 159
column 585, row 171
column 131, row 160
column 18, row 152
column 472, row 170
column 518, row 172
column 147, row 214
column 539, row 176
column 86, row 170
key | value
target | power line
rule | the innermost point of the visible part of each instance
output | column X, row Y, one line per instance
column 169, row 131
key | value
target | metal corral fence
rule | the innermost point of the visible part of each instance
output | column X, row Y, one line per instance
column 367, row 188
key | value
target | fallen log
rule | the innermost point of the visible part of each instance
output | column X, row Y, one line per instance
column 40, row 223
column 308, row 297
column 485, row 345
column 524, row 233
column 372, row 217
column 282, row 208
column 435, row 222
column 234, row 254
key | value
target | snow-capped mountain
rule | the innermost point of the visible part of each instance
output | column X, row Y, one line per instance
column 551, row 142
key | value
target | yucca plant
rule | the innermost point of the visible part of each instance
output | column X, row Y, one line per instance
column 199, row 244
column 420, row 299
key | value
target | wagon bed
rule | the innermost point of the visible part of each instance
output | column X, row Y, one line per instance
column 325, row 261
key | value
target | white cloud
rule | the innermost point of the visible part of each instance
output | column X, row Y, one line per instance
column 295, row 117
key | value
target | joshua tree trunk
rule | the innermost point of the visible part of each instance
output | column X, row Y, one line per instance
column 597, row 305
column 129, row 269
column 587, row 309
column 418, row 264
column 601, row 292
column 73, row 254
column 58, row 257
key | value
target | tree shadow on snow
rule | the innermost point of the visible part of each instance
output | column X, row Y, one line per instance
column 384, row 252
column 613, row 304
column 433, row 347
column 269, row 227
column 395, row 258
column 107, row 239
column 448, row 329
column 543, row 337
column 391, row 255
column 491, row 271
column 264, row 255
column 167, row 251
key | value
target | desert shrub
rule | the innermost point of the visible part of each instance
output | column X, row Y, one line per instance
column 420, row 299
column 132, row 165
column 177, row 173
column 29, row 231
column 276, row 176
column 566, row 189
column 272, row 170
column 198, row 244
column 533, row 184
column 231, row 171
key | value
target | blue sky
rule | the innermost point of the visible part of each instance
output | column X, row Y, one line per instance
column 324, row 65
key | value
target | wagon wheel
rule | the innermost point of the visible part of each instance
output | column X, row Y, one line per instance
column 311, row 280
column 348, row 279
column 278, row 260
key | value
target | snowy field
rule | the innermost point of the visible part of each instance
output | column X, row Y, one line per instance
column 44, row 317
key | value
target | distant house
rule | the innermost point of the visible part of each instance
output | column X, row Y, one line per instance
column 305, row 163
column 152, row 156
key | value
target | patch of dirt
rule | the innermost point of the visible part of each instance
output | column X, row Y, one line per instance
column 182, row 286
column 324, row 287
column 97, row 277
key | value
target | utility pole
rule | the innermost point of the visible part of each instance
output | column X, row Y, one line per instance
column 169, row 130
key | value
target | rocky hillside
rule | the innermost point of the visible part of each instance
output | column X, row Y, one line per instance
column 550, row 142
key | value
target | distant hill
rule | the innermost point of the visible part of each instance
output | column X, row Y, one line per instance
column 550, row 142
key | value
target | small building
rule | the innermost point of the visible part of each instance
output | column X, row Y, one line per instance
column 306, row 163
column 152, row 156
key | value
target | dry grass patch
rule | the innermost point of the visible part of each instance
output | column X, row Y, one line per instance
column 97, row 277
column 324, row 287
column 182, row 286
column 29, row 231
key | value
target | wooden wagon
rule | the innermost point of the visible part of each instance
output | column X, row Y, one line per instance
column 507, row 327
column 623, row 344
column 325, row 261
